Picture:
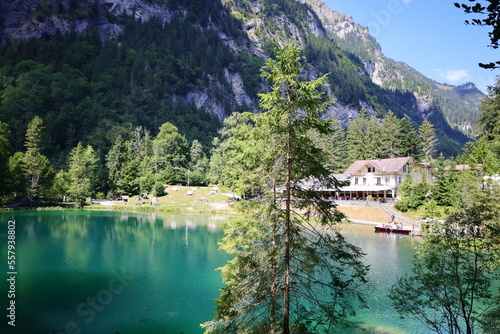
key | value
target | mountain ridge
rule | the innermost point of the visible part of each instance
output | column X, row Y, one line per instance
column 343, row 26
column 360, row 75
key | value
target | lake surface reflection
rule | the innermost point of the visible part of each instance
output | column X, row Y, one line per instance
column 389, row 256
column 110, row 272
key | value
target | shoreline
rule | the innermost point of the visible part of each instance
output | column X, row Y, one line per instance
column 217, row 208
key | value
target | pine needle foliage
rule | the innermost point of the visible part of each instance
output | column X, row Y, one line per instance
column 292, row 271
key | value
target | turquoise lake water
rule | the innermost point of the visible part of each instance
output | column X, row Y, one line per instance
column 126, row 273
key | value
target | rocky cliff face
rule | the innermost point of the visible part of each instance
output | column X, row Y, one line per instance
column 24, row 19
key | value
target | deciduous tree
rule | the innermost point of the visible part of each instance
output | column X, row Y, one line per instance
column 170, row 155
column 237, row 155
column 489, row 120
column 449, row 289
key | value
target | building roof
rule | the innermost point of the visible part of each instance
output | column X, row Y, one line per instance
column 385, row 165
column 341, row 177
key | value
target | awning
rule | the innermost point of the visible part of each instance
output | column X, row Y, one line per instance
column 366, row 188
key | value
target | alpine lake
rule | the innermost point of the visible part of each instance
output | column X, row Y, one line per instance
column 112, row 272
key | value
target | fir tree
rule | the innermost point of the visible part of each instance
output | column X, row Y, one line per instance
column 282, row 252
column 390, row 136
column 409, row 140
column 82, row 168
column 37, row 166
column 334, row 145
column 198, row 164
column 359, row 136
column 428, row 135
column 444, row 190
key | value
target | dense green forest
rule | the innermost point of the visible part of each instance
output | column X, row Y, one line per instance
column 139, row 160
column 117, row 102
column 86, row 90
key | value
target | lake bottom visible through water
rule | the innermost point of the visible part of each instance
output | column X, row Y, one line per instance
column 127, row 273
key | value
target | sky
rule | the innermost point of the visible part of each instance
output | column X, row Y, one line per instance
column 428, row 35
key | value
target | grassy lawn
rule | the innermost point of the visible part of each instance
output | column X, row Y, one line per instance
column 197, row 199
column 200, row 199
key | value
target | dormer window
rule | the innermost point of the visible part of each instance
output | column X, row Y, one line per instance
column 371, row 169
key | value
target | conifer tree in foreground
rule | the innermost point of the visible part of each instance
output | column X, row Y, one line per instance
column 292, row 271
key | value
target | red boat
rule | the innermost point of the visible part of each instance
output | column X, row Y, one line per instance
column 391, row 228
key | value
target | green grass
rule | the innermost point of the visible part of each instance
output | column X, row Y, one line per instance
column 175, row 200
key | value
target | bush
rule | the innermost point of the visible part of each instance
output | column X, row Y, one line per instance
column 100, row 195
column 158, row 189
column 402, row 205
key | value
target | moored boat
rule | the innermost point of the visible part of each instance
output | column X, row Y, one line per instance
column 392, row 228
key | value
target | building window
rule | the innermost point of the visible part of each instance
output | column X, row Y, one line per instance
column 371, row 169
column 400, row 180
column 379, row 181
column 404, row 169
column 355, row 181
column 387, row 180
column 364, row 181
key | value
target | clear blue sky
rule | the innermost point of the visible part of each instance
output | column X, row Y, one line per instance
column 428, row 35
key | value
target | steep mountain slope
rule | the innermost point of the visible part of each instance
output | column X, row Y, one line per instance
column 458, row 103
column 95, row 67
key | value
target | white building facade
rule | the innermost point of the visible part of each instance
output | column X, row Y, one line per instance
column 380, row 179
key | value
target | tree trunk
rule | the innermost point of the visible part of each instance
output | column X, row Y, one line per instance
column 286, row 308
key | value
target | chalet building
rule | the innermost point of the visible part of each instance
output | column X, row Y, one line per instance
column 381, row 178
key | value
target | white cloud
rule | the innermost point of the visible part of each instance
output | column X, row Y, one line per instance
column 407, row 1
column 456, row 75
column 453, row 75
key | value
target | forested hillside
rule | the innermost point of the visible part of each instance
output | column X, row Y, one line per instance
column 98, row 74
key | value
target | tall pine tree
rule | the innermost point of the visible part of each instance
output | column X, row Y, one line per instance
column 390, row 138
column 428, row 135
column 287, row 249
column 82, row 170
column 409, row 140
column 359, row 137
column 37, row 166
